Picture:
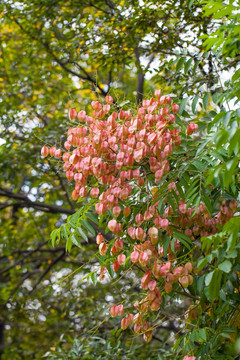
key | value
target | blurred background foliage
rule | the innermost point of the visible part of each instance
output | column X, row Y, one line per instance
column 60, row 54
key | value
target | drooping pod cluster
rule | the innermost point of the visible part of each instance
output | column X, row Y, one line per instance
column 120, row 159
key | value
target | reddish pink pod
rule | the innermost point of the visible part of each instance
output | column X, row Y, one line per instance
column 44, row 151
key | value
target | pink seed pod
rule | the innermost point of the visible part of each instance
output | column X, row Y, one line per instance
column 81, row 115
column 112, row 224
column 52, row 150
column 121, row 259
column 153, row 233
column 75, row 195
column 83, row 192
column 69, row 175
column 184, row 281
column 109, row 99
column 141, row 181
column 116, row 211
column 119, row 244
column 155, row 305
column 94, row 193
column 139, row 219
column 114, row 310
column 101, row 208
column 103, row 248
column 168, row 287
column 188, row 266
column 192, row 127
column 44, row 151
column 139, row 233
column 116, row 266
column 99, row 239
column 67, row 145
column 120, row 309
column 65, row 157
column 157, row 93
column 126, row 211
column 143, row 258
column 152, row 285
column 124, row 323
column 175, row 108
column 72, row 114
column 134, row 256
column 58, row 153
column 158, row 175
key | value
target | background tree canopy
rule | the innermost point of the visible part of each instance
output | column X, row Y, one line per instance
column 55, row 55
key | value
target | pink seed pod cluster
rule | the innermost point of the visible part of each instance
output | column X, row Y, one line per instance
column 117, row 157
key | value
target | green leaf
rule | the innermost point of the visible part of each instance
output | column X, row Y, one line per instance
column 88, row 227
column 65, row 231
column 54, row 234
column 161, row 206
column 92, row 217
column 93, row 277
column 182, row 105
column 215, row 284
column 82, row 234
column 69, row 245
column 184, row 239
column 202, row 263
column 195, row 67
column 180, row 63
column 188, row 65
column 166, row 241
column 225, row 266
column 194, row 103
column 208, row 278
column 205, row 100
column 207, row 202
column 75, row 240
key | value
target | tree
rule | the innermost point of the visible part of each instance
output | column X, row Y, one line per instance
column 38, row 87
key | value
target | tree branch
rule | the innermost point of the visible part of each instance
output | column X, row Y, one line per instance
column 26, row 202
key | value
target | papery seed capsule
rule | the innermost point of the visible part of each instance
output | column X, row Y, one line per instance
column 139, row 219
column 101, row 208
column 72, row 114
column 152, row 285
column 69, row 175
column 121, row 259
column 58, row 153
column 94, row 193
column 75, row 195
column 120, row 310
column 126, row 211
column 99, row 239
column 81, row 115
column 119, row 244
column 168, row 287
column 109, row 99
column 114, row 310
column 52, row 150
column 124, row 324
column 112, row 224
column 116, row 211
column 103, row 248
column 134, row 256
column 116, row 266
column 44, row 151
column 184, row 281
column 188, row 266
column 157, row 93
